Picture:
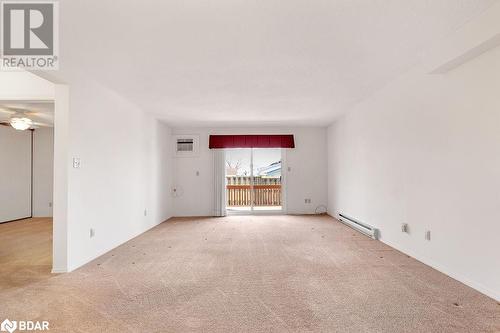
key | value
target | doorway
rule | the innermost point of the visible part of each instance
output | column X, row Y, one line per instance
column 26, row 159
column 26, row 193
column 254, row 181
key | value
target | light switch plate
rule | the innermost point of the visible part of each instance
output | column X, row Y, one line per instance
column 76, row 163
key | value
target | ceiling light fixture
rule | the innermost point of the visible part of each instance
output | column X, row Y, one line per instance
column 21, row 123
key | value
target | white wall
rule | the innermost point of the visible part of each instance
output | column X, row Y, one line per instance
column 43, row 171
column 61, row 180
column 15, row 174
column 425, row 151
column 126, row 166
column 307, row 178
column 125, row 170
column 20, row 85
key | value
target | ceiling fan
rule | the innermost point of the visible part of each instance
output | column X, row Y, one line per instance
column 21, row 119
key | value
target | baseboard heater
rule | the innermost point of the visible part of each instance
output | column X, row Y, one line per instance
column 364, row 228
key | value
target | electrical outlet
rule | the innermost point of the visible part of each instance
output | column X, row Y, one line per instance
column 307, row 201
column 145, row 212
column 92, row 232
column 289, row 169
column 428, row 235
column 404, row 227
column 197, row 173
column 50, row 204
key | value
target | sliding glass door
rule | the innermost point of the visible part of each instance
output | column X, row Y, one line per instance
column 254, row 179
column 266, row 179
column 239, row 179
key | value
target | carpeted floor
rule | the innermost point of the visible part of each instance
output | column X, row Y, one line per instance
column 25, row 253
column 252, row 274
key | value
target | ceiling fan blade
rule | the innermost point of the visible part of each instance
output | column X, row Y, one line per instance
column 8, row 111
column 37, row 124
column 39, row 115
column 31, row 113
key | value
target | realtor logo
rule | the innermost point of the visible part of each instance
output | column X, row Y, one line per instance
column 8, row 326
column 23, row 325
column 29, row 35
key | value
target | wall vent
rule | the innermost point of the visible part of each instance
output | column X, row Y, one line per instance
column 364, row 228
column 186, row 145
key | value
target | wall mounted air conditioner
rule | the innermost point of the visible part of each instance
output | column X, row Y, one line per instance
column 186, row 145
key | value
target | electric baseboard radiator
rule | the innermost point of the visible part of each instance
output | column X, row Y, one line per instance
column 364, row 228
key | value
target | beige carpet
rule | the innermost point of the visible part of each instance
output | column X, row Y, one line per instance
column 25, row 253
column 253, row 274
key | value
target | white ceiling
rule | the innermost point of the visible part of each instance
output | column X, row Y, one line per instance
column 240, row 62
column 41, row 112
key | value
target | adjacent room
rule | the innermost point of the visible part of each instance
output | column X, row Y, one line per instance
column 26, row 194
column 250, row 166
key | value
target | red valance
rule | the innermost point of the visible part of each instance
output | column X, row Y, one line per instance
column 251, row 141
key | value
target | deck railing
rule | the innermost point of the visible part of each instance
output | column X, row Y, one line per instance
column 264, row 192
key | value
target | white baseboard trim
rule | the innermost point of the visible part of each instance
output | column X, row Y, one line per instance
column 446, row 270
column 58, row 270
column 85, row 261
column 441, row 268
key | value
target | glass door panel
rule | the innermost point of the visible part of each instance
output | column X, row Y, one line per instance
column 239, row 179
column 266, row 180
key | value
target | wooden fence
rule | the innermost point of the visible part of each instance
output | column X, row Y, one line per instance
column 263, row 192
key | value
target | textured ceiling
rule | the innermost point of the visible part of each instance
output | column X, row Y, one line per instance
column 235, row 62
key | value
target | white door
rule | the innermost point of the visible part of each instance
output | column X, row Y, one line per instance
column 15, row 174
